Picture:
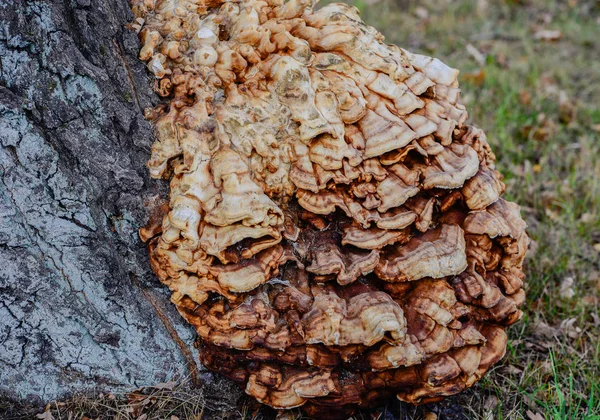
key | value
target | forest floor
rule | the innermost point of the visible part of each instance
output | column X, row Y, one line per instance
column 530, row 77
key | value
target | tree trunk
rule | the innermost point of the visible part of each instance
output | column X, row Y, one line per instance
column 80, row 309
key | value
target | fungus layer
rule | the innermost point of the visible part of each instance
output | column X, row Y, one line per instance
column 335, row 231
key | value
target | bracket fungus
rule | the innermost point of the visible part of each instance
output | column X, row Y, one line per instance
column 335, row 231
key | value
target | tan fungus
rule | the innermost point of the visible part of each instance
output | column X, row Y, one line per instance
column 335, row 232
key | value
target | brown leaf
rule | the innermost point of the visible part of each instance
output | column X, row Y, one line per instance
column 476, row 78
column 135, row 397
column 590, row 300
column 544, row 130
column 525, row 97
column 512, row 370
column 541, row 329
column 547, row 35
column 502, row 60
column 566, row 108
column 594, row 277
column 534, row 416
column 545, row 367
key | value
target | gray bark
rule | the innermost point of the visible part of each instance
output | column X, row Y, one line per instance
column 80, row 310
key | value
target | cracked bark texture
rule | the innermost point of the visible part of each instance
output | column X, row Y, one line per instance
column 78, row 303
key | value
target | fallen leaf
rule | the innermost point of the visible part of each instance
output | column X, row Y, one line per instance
column 169, row 385
column 502, row 60
column 549, row 84
column 46, row 415
column 422, row 13
column 527, row 401
column 544, row 130
column 566, row 288
column 596, row 318
column 541, row 329
column 549, row 200
column 597, row 247
column 286, row 415
column 536, row 304
column 547, row 35
column 568, row 328
column 594, row 277
column 476, row 78
column 534, row 416
column 588, row 218
column 545, row 367
column 512, row 370
column 524, row 97
column 552, row 214
column 566, row 108
column 430, row 416
column 476, row 54
column 539, row 345
column 136, row 397
column 491, row 402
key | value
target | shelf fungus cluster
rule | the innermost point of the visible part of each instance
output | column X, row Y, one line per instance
column 335, row 231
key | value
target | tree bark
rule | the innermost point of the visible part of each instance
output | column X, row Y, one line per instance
column 80, row 309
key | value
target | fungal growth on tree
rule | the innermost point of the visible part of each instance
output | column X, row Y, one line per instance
column 335, row 231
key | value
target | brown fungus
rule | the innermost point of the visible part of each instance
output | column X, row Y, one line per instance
column 335, row 231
